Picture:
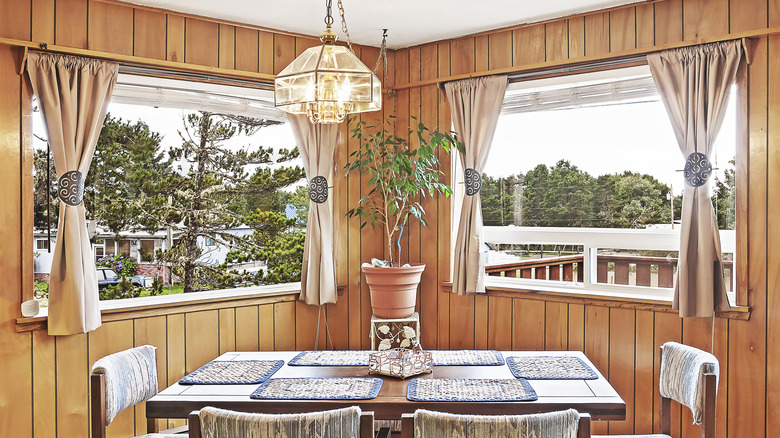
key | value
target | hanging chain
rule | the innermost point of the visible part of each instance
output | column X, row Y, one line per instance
column 328, row 16
column 344, row 25
column 382, row 55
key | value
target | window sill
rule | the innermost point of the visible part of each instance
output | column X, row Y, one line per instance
column 129, row 308
column 508, row 288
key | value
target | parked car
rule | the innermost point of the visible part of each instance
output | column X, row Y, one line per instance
column 108, row 276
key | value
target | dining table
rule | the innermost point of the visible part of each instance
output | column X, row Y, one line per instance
column 595, row 395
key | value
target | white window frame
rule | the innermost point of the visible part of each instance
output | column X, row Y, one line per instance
column 591, row 239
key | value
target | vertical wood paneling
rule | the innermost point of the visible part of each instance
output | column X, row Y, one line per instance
column 462, row 56
column 201, row 338
column 668, row 327
column 576, row 336
column 705, row 18
column 247, row 49
column 461, row 321
column 43, row 20
column 15, row 19
column 149, row 34
column 500, row 45
column 16, row 380
column 72, row 392
column 247, row 328
column 445, row 208
column 747, row 339
column 284, row 51
column 596, row 34
column 645, row 25
column 622, row 29
column 284, row 326
column 265, row 42
column 71, row 23
column 481, row 322
column 499, row 321
column 622, row 345
column 556, row 325
column 111, row 28
column 668, row 21
column 413, row 227
column 527, row 49
column 774, row 13
column 176, row 354
column 227, row 330
column 557, row 40
column 644, row 359
column 175, row 38
column 597, row 332
column 576, row 37
column 306, row 330
column 757, row 127
column 747, row 15
column 267, row 339
column 527, row 330
column 227, row 46
column 44, row 368
column 201, row 42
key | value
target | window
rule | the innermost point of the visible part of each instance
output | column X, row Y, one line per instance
column 42, row 244
column 582, row 190
column 165, row 144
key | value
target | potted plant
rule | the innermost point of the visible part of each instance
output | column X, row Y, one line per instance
column 398, row 176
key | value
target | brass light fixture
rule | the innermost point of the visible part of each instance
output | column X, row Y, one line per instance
column 327, row 82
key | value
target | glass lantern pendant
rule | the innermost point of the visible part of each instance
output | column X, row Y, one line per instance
column 326, row 83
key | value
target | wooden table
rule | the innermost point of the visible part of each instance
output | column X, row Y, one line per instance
column 596, row 397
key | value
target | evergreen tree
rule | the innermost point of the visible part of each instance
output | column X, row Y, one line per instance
column 46, row 204
column 724, row 198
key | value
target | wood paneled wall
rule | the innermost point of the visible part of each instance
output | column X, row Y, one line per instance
column 43, row 387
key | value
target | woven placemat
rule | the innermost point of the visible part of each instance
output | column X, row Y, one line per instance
column 550, row 367
column 315, row 388
column 360, row 358
column 470, row 390
column 219, row 372
column 467, row 357
column 331, row 358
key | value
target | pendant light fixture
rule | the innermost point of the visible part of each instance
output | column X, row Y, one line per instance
column 328, row 82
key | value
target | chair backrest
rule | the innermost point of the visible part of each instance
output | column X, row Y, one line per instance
column 689, row 376
column 221, row 423
column 121, row 380
column 560, row 424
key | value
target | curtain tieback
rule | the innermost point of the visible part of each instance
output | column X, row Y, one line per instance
column 697, row 169
column 473, row 181
column 71, row 187
column 318, row 189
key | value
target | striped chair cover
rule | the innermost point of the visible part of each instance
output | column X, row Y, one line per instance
column 561, row 424
column 338, row 423
column 681, row 375
column 131, row 378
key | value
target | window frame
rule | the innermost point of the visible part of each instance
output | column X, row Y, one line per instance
column 739, row 296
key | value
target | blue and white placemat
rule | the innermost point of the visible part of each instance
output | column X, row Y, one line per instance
column 315, row 388
column 470, row 390
column 550, row 367
column 225, row 372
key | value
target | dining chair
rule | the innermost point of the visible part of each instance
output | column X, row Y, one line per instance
column 559, row 424
column 121, row 380
column 348, row 422
column 689, row 376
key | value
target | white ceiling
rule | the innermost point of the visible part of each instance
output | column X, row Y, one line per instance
column 409, row 22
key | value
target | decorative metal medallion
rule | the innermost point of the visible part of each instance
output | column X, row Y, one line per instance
column 318, row 189
column 473, row 181
column 697, row 169
column 71, row 187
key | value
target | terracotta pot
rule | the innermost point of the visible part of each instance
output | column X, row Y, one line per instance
column 393, row 290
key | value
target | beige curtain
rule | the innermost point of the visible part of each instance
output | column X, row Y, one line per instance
column 73, row 95
column 694, row 84
column 475, row 105
column 317, row 143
